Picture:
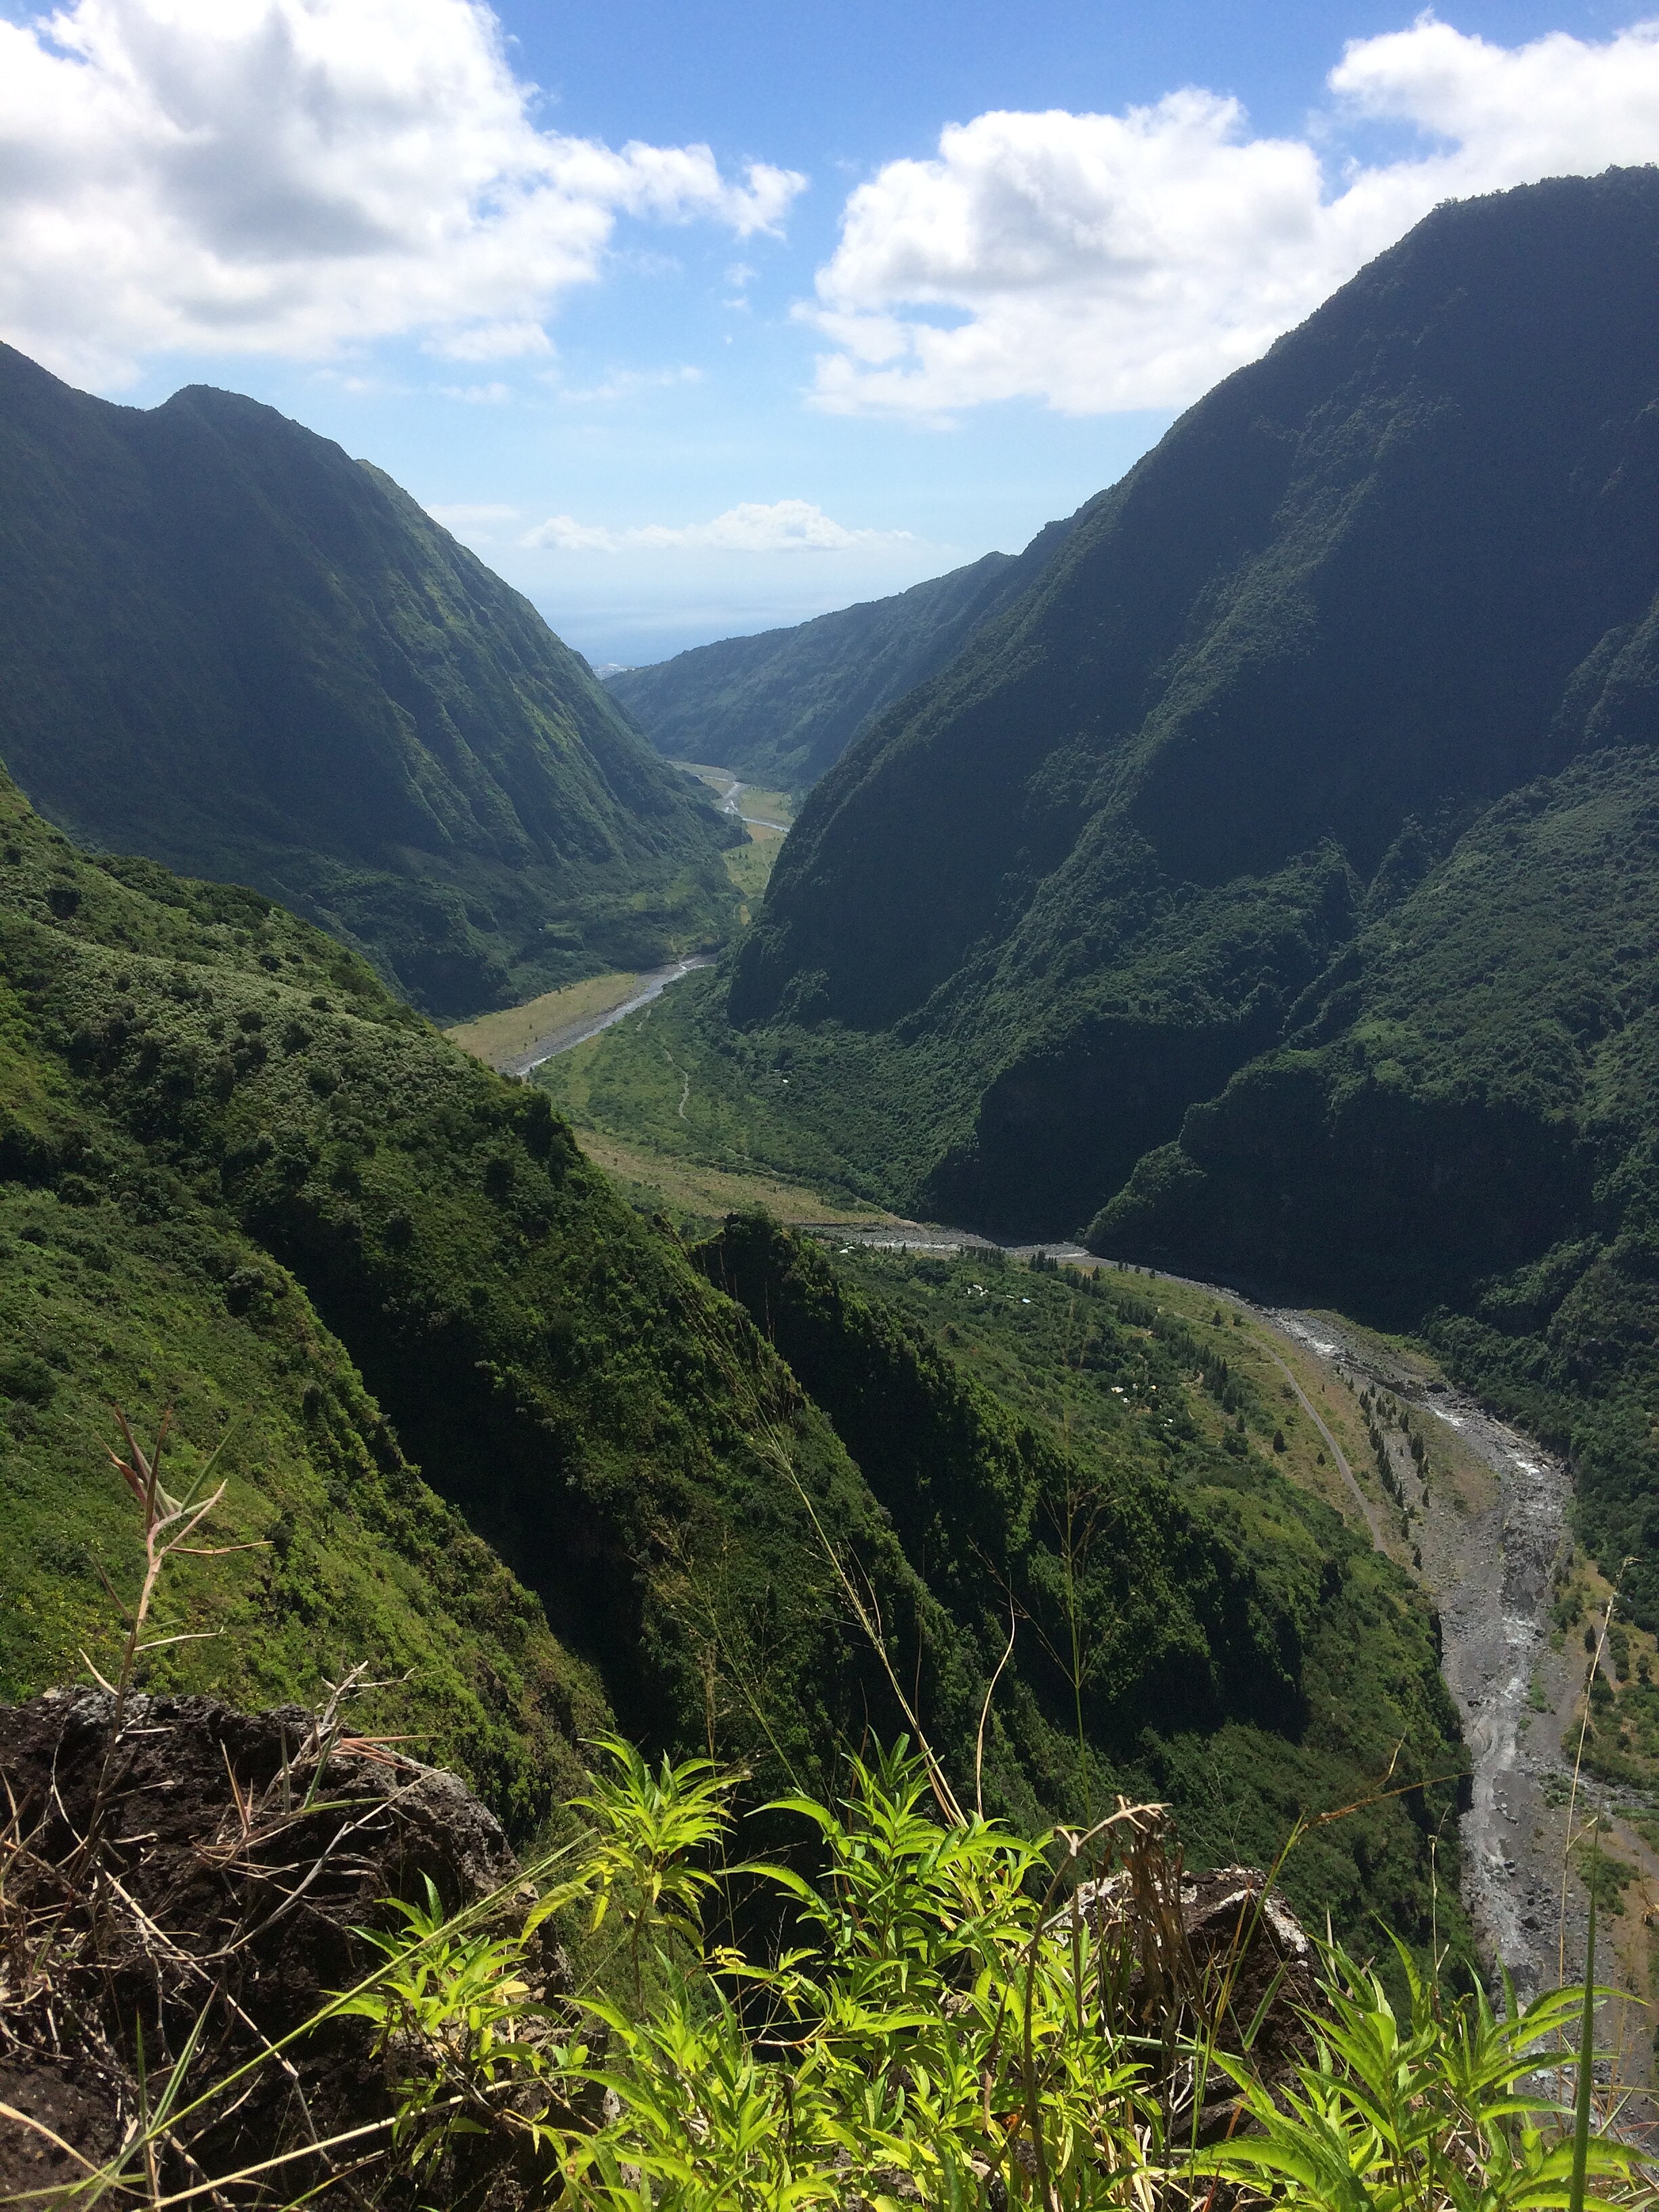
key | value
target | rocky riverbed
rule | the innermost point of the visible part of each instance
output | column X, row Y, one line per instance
column 1478, row 1513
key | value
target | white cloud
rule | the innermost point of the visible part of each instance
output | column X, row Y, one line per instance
column 623, row 383
column 476, row 395
column 1099, row 262
column 787, row 525
column 301, row 176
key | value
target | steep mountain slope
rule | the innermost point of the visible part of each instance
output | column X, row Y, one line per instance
column 781, row 708
column 1462, row 1131
column 1183, row 1620
column 239, row 1178
column 227, row 645
column 326, row 1219
column 1401, row 566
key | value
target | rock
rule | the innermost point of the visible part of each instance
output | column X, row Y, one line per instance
column 1211, row 1946
column 205, row 1864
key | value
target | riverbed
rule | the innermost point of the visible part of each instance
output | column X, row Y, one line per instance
column 1486, row 1556
column 649, row 985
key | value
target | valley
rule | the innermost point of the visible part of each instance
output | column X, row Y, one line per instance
column 1041, row 1192
column 1473, row 1510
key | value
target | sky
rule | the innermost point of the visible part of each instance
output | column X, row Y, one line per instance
column 696, row 316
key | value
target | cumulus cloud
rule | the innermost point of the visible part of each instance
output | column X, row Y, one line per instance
column 299, row 176
column 1099, row 262
column 787, row 525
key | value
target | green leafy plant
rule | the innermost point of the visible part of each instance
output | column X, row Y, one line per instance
column 1431, row 2112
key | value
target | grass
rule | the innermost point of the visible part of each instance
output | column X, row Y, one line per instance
column 1055, row 1444
column 771, row 806
column 692, row 1193
column 678, row 1077
column 941, row 1999
column 750, row 865
column 965, row 2016
column 497, row 1039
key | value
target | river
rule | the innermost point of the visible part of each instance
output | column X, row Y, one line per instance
column 1486, row 1562
column 652, row 984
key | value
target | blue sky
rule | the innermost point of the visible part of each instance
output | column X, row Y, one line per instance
column 673, row 396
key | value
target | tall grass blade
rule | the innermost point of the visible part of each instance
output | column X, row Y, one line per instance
column 1581, row 2110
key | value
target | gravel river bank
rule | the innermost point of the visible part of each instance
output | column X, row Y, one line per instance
column 1482, row 1520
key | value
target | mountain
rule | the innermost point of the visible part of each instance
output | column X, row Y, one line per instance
column 543, row 1468
column 1378, row 578
column 1461, row 1133
column 227, row 645
column 1273, row 886
column 780, row 708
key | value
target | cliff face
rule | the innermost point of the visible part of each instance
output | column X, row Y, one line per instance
column 206, row 1874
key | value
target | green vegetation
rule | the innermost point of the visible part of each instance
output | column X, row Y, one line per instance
column 940, row 2034
column 1365, row 588
column 693, row 1196
column 951, row 2019
column 1270, row 891
column 750, row 865
column 784, row 706
column 231, row 648
column 239, row 1178
column 823, row 1110
column 230, row 1111
column 1472, row 1088
column 1061, row 1456
column 499, row 1039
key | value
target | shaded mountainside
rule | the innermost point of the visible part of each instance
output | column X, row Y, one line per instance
column 1462, row 1131
column 229, row 646
column 1400, row 566
column 780, row 708
column 1194, row 1624
column 1276, row 887
column 491, row 1429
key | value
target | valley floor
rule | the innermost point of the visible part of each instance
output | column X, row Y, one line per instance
column 1472, row 1509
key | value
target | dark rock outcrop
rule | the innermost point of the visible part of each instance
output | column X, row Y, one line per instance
column 195, row 1872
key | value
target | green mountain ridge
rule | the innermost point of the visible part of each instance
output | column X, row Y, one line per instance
column 1271, row 889
column 1461, row 1133
column 509, row 1443
column 1399, row 566
column 231, row 648
column 779, row 708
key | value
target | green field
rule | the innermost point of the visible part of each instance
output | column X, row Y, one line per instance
column 495, row 1039
column 855, row 1115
